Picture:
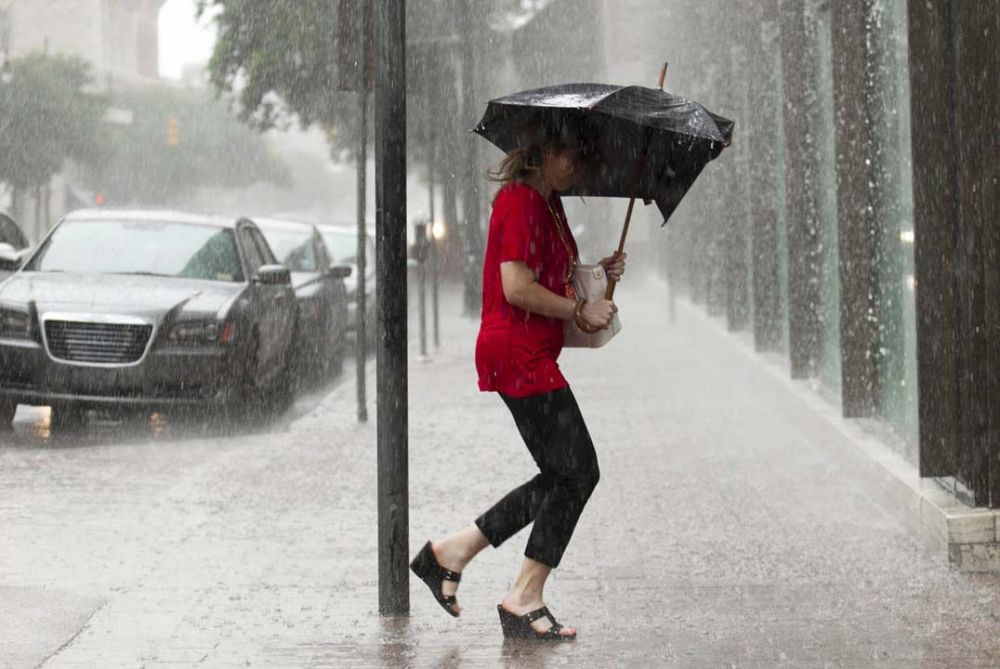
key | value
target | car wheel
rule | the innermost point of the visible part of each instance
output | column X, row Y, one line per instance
column 7, row 411
column 261, row 403
column 67, row 418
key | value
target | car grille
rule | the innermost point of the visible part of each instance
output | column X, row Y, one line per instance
column 96, row 343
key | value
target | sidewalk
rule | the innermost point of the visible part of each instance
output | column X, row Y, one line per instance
column 724, row 531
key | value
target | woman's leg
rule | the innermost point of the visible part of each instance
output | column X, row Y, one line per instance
column 556, row 435
column 504, row 519
column 569, row 465
column 517, row 509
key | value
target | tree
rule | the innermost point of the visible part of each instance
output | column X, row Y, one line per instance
column 282, row 58
column 177, row 141
column 285, row 63
column 47, row 117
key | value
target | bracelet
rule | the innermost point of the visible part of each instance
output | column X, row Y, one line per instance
column 578, row 318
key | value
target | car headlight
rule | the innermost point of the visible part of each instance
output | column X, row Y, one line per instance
column 194, row 332
column 15, row 324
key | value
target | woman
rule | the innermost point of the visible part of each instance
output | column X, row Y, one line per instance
column 527, row 297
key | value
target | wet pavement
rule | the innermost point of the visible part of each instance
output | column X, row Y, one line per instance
column 724, row 531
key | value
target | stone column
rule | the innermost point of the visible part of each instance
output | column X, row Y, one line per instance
column 800, row 70
column 860, row 210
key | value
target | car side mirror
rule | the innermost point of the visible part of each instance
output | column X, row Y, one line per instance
column 340, row 271
column 10, row 259
column 272, row 275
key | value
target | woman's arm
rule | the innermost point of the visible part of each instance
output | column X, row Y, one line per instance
column 522, row 290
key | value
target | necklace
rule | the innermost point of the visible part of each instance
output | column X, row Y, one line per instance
column 570, row 256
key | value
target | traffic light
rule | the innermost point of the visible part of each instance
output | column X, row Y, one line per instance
column 173, row 131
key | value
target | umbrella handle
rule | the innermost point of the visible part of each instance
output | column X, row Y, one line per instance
column 610, row 292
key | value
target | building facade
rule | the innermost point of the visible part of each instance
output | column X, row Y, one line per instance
column 851, row 227
column 116, row 36
column 119, row 38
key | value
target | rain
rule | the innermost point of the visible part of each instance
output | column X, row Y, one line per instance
column 725, row 272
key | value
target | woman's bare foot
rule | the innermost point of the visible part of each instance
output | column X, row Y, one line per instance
column 446, row 559
column 520, row 606
column 455, row 552
column 526, row 595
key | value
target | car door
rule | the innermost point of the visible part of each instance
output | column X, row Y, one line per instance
column 334, row 296
column 262, row 301
column 281, row 307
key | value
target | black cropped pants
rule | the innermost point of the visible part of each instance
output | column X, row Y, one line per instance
column 556, row 435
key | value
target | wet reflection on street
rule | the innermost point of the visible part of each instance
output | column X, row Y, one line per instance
column 33, row 425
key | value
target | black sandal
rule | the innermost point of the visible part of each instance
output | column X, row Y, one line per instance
column 426, row 566
column 519, row 627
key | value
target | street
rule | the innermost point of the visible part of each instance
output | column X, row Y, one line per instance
column 722, row 534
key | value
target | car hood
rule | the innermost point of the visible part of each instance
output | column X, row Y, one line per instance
column 118, row 294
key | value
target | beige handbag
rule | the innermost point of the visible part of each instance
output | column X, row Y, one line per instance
column 590, row 282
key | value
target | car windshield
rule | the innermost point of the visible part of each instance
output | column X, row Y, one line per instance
column 342, row 244
column 156, row 248
column 293, row 248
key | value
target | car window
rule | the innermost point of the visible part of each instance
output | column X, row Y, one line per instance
column 156, row 248
column 295, row 249
column 342, row 245
column 250, row 250
column 266, row 252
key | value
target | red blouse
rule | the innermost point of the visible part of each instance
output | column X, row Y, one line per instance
column 516, row 350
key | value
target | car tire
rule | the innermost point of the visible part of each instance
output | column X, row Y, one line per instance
column 282, row 391
column 67, row 418
column 262, row 403
column 7, row 411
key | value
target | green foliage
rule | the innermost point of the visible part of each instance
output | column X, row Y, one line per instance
column 209, row 148
column 282, row 61
column 47, row 117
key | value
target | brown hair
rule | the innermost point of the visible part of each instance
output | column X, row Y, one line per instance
column 526, row 159
column 522, row 162
column 517, row 165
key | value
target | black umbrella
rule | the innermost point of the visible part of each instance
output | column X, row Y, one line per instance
column 640, row 142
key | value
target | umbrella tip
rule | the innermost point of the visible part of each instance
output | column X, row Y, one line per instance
column 663, row 74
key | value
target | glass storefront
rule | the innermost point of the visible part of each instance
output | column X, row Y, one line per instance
column 897, row 323
column 828, row 365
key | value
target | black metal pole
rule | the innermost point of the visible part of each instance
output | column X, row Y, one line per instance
column 420, row 245
column 361, row 320
column 472, row 266
column 390, row 203
column 433, row 237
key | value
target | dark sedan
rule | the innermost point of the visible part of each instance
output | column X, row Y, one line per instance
column 319, row 292
column 145, row 309
column 342, row 242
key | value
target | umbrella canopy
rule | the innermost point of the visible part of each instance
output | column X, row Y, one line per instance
column 617, row 124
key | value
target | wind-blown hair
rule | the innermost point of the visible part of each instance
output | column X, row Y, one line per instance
column 524, row 161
